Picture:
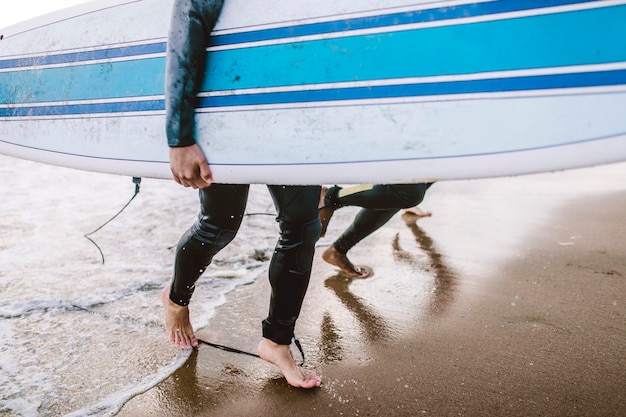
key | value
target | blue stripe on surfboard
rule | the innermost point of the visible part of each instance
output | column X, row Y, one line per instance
column 84, row 82
column 391, row 19
column 498, row 85
column 311, row 29
column 84, row 109
column 544, row 41
column 561, row 40
column 336, row 96
column 74, row 57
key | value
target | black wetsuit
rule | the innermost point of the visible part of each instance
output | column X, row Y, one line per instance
column 379, row 202
column 222, row 205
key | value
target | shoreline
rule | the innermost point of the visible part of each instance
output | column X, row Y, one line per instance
column 460, row 318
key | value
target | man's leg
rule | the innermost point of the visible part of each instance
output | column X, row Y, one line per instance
column 380, row 203
column 221, row 212
column 289, row 274
column 365, row 223
column 369, row 196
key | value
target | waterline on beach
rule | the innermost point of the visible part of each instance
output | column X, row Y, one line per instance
column 79, row 336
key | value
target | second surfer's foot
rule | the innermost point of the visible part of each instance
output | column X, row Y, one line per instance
column 177, row 324
column 334, row 257
column 280, row 355
column 416, row 211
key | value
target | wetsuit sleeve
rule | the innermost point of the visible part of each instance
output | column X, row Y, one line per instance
column 190, row 28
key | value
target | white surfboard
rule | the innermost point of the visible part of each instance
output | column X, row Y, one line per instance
column 334, row 91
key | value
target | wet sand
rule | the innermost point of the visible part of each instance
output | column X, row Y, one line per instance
column 509, row 300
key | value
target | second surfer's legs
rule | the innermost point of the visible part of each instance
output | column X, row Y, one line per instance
column 380, row 203
column 366, row 222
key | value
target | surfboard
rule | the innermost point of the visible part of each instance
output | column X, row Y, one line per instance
column 333, row 91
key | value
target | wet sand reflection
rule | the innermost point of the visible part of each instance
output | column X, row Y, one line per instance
column 445, row 281
column 329, row 344
column 373, row 323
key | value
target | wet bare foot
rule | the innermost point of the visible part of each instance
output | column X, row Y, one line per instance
column 411, row 215
column 325, row 213
column 280, row 355
column 177, row 324
column 333, row 257
column 416, row 211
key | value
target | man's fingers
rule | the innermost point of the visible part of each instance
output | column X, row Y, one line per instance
column 206, row 176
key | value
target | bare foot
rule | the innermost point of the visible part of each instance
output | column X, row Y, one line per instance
column 177, row 325
column 280, row 355
column 416, row 211
column 325, row 213
column 333, row 257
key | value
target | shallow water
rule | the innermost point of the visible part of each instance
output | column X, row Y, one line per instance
column 79, row 336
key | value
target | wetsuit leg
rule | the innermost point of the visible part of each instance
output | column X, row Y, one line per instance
column 290, row 267
column 377, row 197
column 365, row 223
column 380, row 203
column 221, row 212
column 190, row 29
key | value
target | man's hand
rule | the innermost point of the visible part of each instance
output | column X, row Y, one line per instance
column 190, row 167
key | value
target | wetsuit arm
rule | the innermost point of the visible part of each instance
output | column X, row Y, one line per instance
column 190, row 29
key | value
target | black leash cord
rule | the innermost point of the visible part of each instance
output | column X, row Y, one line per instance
column 137, row 182
column 243, row 352
column 228, row 349
column 299, row 346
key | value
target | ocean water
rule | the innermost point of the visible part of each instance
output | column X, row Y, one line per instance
column 80, row 321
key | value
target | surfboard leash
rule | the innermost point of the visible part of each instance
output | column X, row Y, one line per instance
column 202, row 341
column 137, row 182
column 227, row 348
column 243, row 352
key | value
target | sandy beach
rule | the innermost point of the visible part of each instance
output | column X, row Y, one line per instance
column 509, row 300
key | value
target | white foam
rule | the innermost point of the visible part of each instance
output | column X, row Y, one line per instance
column 79, row 337
column 112, row 404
